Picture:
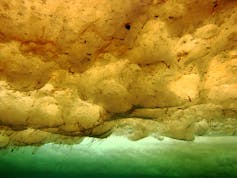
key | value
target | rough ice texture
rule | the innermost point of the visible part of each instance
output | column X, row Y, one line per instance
column 135, row 68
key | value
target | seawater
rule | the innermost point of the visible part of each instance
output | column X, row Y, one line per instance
column 116, row 157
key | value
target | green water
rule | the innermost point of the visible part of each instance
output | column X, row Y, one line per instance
column 119, row 157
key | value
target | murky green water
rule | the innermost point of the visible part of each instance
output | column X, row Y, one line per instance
column 119, row 157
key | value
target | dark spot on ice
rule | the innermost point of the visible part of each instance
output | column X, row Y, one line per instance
column 127, row 26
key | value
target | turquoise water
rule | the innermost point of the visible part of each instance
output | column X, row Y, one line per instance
column 119, row 157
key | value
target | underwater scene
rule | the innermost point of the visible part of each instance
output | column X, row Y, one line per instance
column 118, row 88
